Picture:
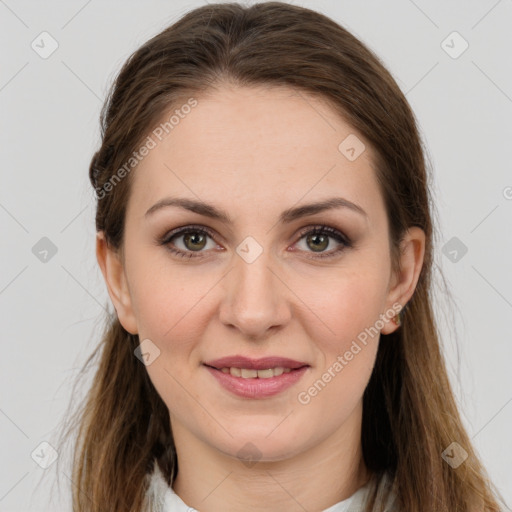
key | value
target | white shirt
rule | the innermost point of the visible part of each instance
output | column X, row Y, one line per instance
column 163, row 498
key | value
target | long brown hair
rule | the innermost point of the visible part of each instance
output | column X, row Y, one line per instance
column 409, row 413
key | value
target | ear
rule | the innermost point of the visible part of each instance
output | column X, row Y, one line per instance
column 403, row 283
column 112, row 269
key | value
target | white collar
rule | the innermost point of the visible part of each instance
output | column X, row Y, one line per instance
column 163, row 498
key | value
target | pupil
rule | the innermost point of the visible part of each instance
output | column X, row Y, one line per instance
column 193, row 237
column 316, row 237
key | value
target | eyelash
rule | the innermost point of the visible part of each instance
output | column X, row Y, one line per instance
column 315, row 230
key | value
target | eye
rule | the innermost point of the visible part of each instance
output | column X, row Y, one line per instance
column 318, row 239
column 193, row 240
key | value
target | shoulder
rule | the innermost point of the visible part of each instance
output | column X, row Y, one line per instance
column 156, row 491
column 385, row 492
column 160, row 496
column 391, row 499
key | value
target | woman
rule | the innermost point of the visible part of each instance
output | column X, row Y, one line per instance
column 265, row 235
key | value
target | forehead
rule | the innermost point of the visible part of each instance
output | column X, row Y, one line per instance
column 256, row 144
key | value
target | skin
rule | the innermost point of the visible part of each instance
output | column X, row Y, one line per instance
column 255, row 152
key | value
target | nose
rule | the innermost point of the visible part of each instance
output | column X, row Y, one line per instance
column 255, row 299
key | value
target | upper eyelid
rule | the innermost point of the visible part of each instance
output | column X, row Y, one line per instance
column 181, row 231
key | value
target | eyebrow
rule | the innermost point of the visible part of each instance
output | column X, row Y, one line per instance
column 286, row 216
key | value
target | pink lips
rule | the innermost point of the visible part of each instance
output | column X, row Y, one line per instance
column 256, row 387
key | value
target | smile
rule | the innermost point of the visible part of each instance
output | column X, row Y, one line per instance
column 256, row 384
column 249, row 373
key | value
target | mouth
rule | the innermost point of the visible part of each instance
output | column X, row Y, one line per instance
column 246, row 363
column 251, row 373
column 256, row 378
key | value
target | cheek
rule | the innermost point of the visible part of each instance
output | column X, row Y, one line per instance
column 344, row 331
column 170, row 302
column 346, row 304
column 173, row 307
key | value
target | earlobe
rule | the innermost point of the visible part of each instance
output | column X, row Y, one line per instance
column 113, row 272
column 411, row 262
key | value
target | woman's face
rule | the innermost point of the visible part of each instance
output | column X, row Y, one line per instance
column 257, row 285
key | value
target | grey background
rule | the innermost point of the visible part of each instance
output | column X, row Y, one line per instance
column 52, row 310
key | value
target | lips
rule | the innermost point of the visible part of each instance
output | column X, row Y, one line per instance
column 263, row 363
column 257, row 388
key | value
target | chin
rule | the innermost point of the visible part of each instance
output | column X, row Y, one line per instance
column 262, row 444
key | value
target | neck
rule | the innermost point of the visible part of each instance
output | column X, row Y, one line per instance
column 314, row 479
